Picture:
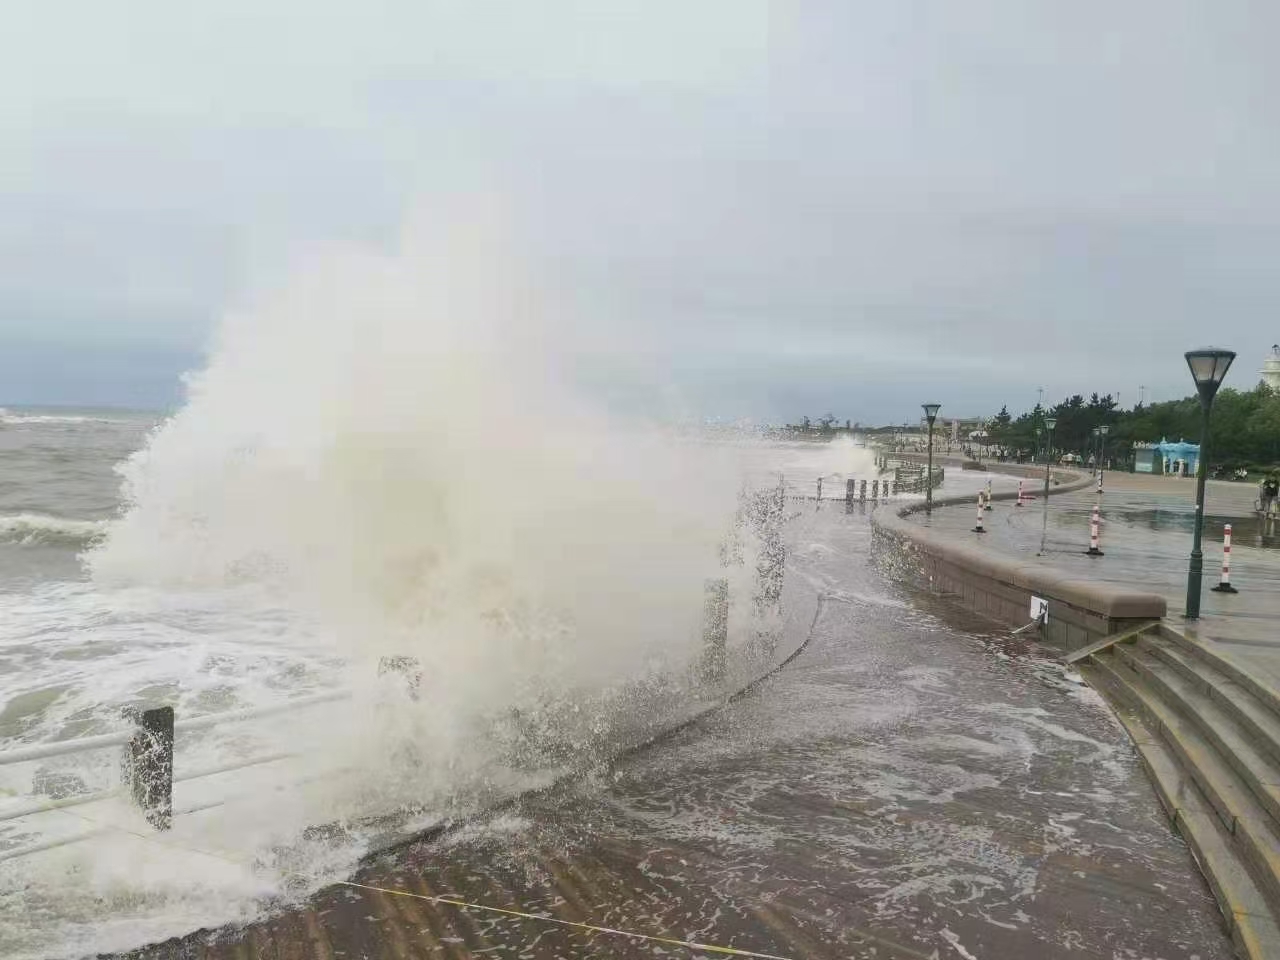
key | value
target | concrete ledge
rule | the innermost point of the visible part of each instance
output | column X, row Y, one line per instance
column 1081, row 611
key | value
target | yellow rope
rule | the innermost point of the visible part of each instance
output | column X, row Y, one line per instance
column 449, row 901
column 669, row 941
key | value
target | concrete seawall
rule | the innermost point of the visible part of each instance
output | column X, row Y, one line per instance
column 1080, row 611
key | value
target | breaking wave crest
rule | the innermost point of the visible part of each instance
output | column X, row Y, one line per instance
column 37, row 529
column 9, row 417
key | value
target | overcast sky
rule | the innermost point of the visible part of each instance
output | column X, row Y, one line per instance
column 791, row 207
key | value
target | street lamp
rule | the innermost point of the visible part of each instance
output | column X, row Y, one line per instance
column 930, row 414
column 1209, row 366
column 1102, row 449
column 1049, row 424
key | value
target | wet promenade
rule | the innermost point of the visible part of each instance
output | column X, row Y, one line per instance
column 910, row 787
column 1146, row 538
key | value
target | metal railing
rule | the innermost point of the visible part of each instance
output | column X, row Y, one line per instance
column 912, row 477
column 148, row 768
column 58, row 748
column 908, row 477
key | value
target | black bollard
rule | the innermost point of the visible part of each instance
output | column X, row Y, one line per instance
column 715, row 629
column 148, row 765
column 849, row 486
column 862, row 491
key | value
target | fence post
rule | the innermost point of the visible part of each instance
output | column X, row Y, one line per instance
column 979, row 528
column 715, row 628
column 1224, row 585
column 1093, row 550
column 148, row 764
column 849, row 486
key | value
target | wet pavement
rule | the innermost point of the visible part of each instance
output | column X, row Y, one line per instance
column 1146, row 536
column 912, row 786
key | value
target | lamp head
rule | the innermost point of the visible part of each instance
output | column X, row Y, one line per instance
column 1209, row 366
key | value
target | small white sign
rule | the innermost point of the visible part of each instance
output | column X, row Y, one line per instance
column 1039, row 609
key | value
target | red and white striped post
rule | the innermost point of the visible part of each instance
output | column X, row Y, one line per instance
column 981, row 510
column 1018, row 502
column 1093, row 550
column 1224, row 586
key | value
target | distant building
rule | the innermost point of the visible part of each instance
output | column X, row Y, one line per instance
column 1271, row 368
column 1179, row 459
column 961, row 427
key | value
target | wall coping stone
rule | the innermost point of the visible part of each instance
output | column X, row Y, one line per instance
column 1113, row 601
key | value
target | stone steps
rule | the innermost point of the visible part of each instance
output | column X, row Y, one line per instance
column 1211, row 746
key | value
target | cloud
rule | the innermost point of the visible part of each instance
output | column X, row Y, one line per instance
column 746, row 207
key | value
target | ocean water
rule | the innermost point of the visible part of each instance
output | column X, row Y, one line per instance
column 148, row 560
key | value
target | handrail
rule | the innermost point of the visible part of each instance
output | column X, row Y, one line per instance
column 47, row 806
column 40, row 751
column 57, row 748
column 43, row 845
column 198, row 807
column 252, row 713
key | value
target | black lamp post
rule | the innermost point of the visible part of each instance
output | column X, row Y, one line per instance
column 1049, row 424
column 1209, row 367
column 930, row 414
column 1102, row 450
column 1095, row 454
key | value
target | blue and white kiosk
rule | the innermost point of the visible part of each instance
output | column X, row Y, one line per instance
column 1179, row 459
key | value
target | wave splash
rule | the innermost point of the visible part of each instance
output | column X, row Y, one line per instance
column 37, row 529
column 387, row 444
column 9, row 417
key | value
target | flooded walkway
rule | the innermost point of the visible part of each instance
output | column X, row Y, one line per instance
column 1147, row 526
column 910, row 787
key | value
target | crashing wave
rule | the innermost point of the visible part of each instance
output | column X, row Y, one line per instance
column 30, row 529
column 9, row 417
